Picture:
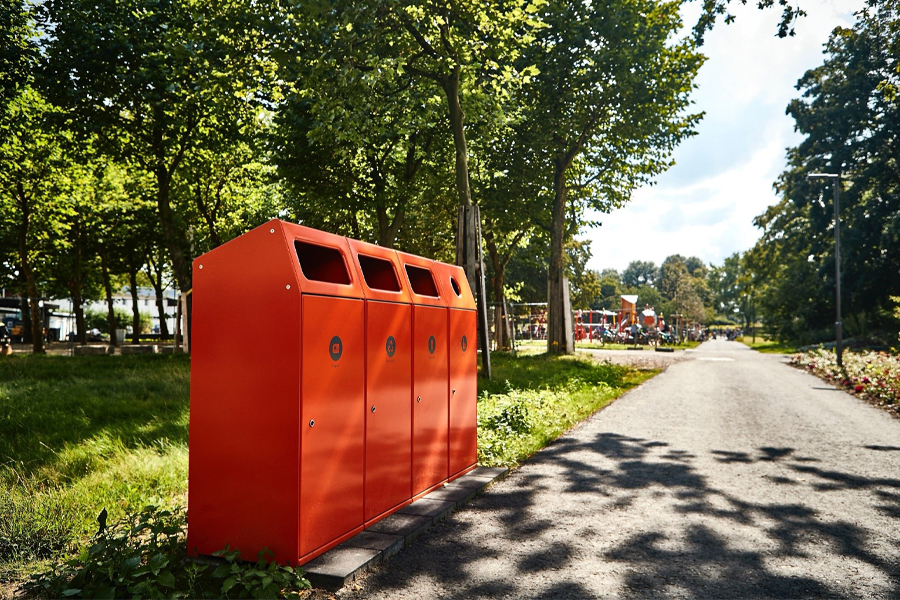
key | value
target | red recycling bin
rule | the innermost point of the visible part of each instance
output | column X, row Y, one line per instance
column 321, row 376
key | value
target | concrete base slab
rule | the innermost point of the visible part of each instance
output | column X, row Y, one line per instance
column 366, row 550
column 93, row 350
column 139, row 349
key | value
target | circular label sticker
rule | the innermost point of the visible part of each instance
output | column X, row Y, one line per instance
column 432, row 344
column 335, row 348
column 390, row 346
column 464, row 343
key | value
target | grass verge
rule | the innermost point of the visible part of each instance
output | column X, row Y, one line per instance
column 766, row 345
column 533, row 399
column 83, row 434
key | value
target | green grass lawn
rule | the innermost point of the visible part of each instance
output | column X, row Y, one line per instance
column 80, row 434
column 764, row 344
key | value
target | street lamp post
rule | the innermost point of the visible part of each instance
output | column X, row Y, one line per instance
column 836, row 182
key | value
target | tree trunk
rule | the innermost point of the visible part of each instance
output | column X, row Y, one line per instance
column 26, row 319
column 75, row 288
column 173, row 238
column 78, row 307
column 498, row 282
column 110, row 309
column 468, row 246
column 156, row 280
column 457, row 123
column 135, row 308
column 557, row 335
column 37, row 323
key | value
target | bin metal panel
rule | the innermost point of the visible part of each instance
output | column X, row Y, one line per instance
column 332, row 422
column 463, row 435
column 388, row 409
column 243, row 484
column 454, row 286
column 429, row 402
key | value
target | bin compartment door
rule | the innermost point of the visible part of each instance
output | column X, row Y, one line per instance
column 388, row 410
column 332, row 424
column 429, row 401
column 463, row 390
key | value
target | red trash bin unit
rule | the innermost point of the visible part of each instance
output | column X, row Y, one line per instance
column 277, row 426
column 430, row 391
column 388, row 480
column 463, row 369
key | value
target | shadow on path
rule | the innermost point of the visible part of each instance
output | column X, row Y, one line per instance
column 693, row 557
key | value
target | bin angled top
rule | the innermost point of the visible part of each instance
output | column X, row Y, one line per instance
column 380, row 272
column 454, row 286
column 421, row 279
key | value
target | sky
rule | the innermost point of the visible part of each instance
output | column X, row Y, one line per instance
column 704, row 205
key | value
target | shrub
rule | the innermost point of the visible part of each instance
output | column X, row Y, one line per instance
column 143, row 556
column 875, row 375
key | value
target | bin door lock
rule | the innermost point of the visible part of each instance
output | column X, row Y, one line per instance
column 418, row 398
column 373, row 409
column 312, row 422
column 454, row 391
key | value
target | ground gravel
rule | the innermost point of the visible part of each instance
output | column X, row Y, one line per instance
column 730, row 475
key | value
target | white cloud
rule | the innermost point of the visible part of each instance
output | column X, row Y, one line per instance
column 704, row 206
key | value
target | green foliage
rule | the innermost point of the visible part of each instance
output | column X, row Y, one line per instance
column 851, row 122
column 143, row 556
column 98, row 319
column 261, row 580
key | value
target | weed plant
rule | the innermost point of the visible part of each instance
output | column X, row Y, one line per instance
column 143, row 556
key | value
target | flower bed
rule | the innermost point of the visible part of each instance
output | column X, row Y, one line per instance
column 874, row 376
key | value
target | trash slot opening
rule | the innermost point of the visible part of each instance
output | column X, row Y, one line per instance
column 379, row 273
column 321, row 263
column 456, row 289
column 421, row 281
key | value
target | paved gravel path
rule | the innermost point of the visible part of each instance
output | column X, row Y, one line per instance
column 729, row 475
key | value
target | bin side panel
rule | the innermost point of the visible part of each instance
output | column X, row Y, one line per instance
column 448, row 275
column 388, row 388
column 243, row 484
column 464, row 400
column 331, row 462
column 430, row 384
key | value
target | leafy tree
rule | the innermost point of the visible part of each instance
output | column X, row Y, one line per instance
column 610, row 101
column 74, row 269
column 360, row 151
column 17, row 49
column 640, row 272
column 850, row 115
column 31, row 155
column 151, row 78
